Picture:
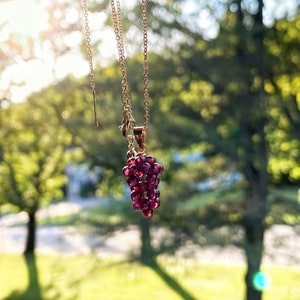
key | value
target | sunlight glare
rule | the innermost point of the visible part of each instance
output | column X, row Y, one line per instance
column 71, row 63
column 26, row 18
column 27, row 78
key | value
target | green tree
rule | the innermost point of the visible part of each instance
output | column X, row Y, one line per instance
column 32, row 161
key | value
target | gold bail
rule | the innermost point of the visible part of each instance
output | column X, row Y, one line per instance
column 140, row 137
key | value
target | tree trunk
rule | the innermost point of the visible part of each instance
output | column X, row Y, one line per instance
column 255, row 211
column 254, row 231
column 31, row 230
column 255, row 160
column 147, row 254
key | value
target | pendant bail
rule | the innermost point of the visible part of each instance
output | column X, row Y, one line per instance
column 139, row 133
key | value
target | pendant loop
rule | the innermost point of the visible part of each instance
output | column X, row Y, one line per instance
column 139, row 133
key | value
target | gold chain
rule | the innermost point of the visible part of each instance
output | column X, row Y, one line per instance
column 128, row 120
column 90, row 59
column 146, row 68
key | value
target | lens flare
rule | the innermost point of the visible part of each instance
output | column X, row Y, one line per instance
column 261, row 281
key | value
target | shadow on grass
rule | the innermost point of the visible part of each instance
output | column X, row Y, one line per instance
column 170, row 281
column 33, row 290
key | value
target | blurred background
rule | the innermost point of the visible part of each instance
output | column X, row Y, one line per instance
column 224, row 122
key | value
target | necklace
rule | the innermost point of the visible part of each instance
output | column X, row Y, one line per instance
column 142, row 171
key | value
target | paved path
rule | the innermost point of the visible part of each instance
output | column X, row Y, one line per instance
column 282, row 243
column 66, row 239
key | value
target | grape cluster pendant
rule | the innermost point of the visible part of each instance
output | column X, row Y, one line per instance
column 142, row 173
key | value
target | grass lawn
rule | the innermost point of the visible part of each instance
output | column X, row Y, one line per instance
column 89, row 278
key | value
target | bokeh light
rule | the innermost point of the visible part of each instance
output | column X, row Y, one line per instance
column 261, row 281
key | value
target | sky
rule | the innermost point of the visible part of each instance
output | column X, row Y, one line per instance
column 28, row 18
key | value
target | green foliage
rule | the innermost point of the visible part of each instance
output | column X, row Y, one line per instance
column 32, row 157
column 282, row 87
column 284, row 206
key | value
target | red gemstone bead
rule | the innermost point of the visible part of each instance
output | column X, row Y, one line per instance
column 150, row 159
column 150, row 193
column 147, row 213
column 126, row 171
column 131, row 161
column 144, row 203
column 136, row 205
column 140, row 160
column 139, row 174
column 133, row 170
column 157, row 167
column 135, row 188
column 132, row 181
column 151, row 179
column 135, row 196
column 145, row 167
column 142, row 186
column 154, row 203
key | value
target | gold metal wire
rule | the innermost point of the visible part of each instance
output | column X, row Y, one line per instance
column 128, row 120
column 90, row 58
column 145, row 65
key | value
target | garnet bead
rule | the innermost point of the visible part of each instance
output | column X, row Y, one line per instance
column 131, row 161
column 153, row 204
column 147, row 213
column 136, row 205
column 133, row 170
column 132, row 181
column 126, row 171
column 150, row 159
column 157, row 168
column 140, row 160
column 135, row 196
